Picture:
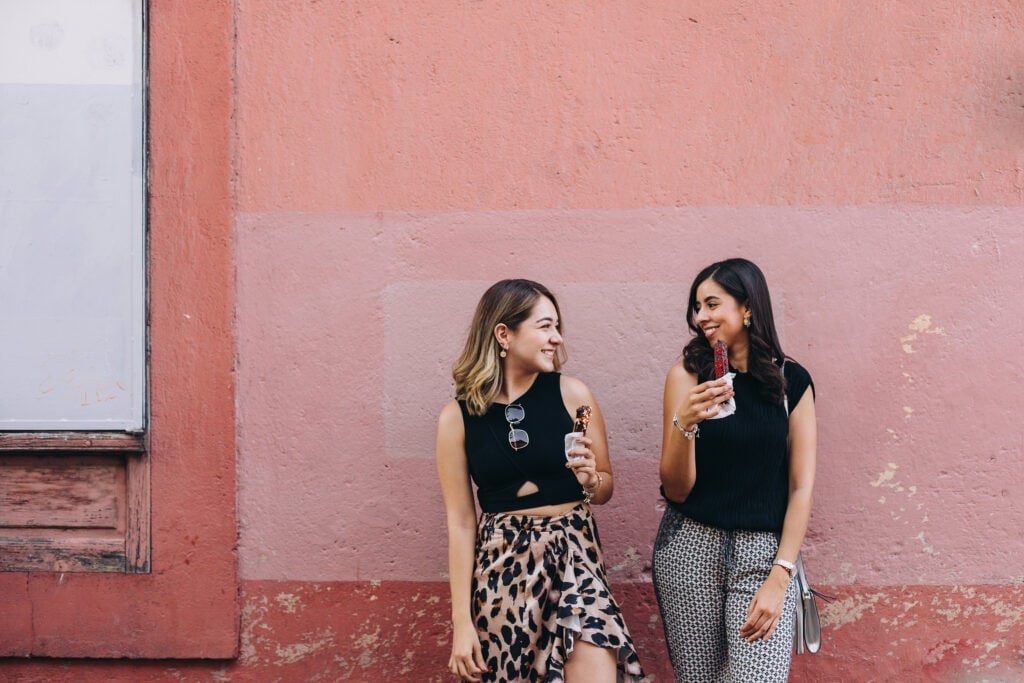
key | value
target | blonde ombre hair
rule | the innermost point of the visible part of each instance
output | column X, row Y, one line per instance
column 478, row 372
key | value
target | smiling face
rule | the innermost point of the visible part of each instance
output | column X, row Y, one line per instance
column 532, row 346
column 719, row 315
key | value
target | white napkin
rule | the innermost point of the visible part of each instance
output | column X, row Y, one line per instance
column 729, row 407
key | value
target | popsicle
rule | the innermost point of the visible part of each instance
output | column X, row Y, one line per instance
column 582, row 420
column 579, row 429
column 721, row 359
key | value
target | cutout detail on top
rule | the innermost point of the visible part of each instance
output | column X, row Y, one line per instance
column 527, row 489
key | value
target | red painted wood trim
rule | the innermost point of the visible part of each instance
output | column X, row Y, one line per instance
column 38, row 494
column 88, row 554
column 137, row 533
column 72, row 441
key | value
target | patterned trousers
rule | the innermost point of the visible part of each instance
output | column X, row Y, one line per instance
column 704, row 580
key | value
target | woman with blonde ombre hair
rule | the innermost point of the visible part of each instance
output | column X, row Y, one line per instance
column 530, row 597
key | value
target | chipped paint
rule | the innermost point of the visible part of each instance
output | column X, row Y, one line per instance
column 368, row 640
column 353, row 631
column 289, row 602
column 1013, row 613
column 839, row 613
column 311, row 643
column 632, row 559
column 922, row 324
column 846, row 572
column 905, row 343
column 886, row 476
column 252, row 619
column 886, row 479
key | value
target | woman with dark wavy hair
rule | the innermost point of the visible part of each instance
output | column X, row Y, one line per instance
column 738, row 484
column 530, row 596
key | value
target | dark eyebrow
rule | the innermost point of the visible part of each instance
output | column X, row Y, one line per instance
column 541, row 320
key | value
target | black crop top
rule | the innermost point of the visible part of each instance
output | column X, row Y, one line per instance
column 499, row 472
column 743, row 460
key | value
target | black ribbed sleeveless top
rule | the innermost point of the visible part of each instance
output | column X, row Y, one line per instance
column 499, row 471
column 743, row 460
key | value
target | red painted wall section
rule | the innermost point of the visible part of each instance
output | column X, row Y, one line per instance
column 393, row 160
column 397, row 631
column 192, row 328
column 188, row 605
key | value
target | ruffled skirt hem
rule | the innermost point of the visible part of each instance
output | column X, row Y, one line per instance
column 539, row 586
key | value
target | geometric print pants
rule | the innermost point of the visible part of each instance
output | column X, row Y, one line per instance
column 704, row 579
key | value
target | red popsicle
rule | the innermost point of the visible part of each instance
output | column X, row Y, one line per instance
column 721, row 359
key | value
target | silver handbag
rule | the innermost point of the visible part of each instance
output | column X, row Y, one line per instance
column 807, row 634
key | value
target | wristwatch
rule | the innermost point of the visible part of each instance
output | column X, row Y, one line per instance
column 785, row 564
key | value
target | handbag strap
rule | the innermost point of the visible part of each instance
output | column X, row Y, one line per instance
column 785, row 396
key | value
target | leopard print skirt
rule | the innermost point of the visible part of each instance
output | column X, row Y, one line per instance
column 539, row 585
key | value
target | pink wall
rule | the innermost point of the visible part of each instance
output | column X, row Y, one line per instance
column 359, row 349
column 476, row 106
column 393, row 159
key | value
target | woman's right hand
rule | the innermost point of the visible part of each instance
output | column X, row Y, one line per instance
column 704, row 401
column 467, row 660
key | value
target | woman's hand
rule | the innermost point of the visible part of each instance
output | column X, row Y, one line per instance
column 583, row 463
column 766, row 608
column 704, row 401
column 467, row 660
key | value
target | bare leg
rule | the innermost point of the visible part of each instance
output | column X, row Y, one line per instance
column 590, row 664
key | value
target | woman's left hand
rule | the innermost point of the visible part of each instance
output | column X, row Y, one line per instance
column 765, row 609
column 583, row 464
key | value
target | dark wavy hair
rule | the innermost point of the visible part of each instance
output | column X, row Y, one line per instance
column 745, row 282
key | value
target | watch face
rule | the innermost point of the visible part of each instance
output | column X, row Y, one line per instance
column 788, row 566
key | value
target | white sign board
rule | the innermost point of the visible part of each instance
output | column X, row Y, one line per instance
column 72, row 215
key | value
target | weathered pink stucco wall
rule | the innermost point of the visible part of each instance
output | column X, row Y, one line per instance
column 394, row 159
column 867, row 157
column 888, row 324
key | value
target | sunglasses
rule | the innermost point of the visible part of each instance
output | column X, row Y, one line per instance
column 517, row 438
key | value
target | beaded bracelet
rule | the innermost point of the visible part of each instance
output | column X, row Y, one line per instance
column 690, row 434
column 588, row 494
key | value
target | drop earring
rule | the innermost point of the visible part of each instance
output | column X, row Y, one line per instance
column 503, row 353
column 746, row 321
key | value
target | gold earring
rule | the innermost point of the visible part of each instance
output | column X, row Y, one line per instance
column 746, row 321
column 503, row 353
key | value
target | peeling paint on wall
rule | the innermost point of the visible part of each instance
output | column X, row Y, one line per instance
column 921, row 324
column 399, row 631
